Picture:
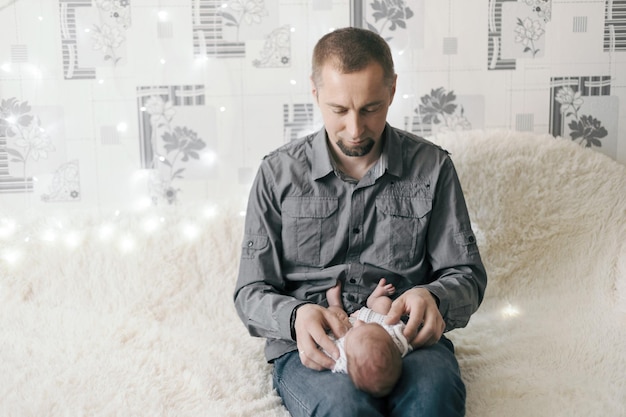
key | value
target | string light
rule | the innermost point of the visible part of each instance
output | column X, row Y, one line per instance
column 510, row 311
column 106, row 231
column 209, row 157
column 162, row 15
column 7, row 228
column 127, row 243
column 210, row 211
column 190, row 231
column 152, row 223
column 12, row 256
column 119, row 230
column 49, row 235
column 142, row 203
column 73, row 239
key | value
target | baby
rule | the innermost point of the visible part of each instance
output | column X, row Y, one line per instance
column 371, row 352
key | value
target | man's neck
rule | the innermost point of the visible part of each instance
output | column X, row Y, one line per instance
column 356, row 167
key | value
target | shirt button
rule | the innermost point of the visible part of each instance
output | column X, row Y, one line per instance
column 356, row 230
column 352, row 281
column 250, row 243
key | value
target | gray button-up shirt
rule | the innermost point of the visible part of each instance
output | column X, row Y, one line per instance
column 307, row 228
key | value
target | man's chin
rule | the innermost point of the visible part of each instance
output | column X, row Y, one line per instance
column 361, row 149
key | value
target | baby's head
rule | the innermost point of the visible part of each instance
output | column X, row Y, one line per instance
column 373, row 360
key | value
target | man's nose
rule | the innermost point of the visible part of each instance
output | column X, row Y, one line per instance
column 355, row 125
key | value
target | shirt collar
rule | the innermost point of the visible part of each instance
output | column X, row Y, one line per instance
column 321, row 164
column 390, row 159
column 393, row 152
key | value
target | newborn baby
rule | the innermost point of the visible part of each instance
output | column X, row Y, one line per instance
column 371, row 351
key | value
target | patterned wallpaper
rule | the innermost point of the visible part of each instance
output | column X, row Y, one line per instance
column 134, row 103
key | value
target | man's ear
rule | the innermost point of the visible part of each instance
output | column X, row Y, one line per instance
column 313, row 89
column 393, row 88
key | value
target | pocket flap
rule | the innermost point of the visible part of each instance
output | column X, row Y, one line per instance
column 404, row 207
column 311, row 207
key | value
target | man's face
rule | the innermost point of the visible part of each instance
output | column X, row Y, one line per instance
column 354, row 108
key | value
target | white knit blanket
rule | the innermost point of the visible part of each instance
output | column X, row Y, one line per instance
column 132, row 314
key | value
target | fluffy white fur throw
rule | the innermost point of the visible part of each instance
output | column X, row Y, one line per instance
column 132, row 315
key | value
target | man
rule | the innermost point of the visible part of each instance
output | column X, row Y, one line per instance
column 353, row 203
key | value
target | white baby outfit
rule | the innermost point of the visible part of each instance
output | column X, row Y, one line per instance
column 370, row 316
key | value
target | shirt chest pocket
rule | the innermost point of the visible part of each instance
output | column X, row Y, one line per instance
column 404, row 222
column 309, row 228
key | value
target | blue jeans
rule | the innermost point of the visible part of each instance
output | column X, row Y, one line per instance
column 430, row 386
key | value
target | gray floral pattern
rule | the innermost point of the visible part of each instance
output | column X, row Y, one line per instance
column 180, row 144
column 389, row 15
column 542, row 8
column 26, row 137
column 109, row 34
column 65, row 184
column 439, row 109
column 243, row 11
column 528, row 32
column 277, row 49
column 585, row 129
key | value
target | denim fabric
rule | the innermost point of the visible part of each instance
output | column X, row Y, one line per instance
column 430, row 386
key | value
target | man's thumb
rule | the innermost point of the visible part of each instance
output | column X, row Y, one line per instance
column 395, row 312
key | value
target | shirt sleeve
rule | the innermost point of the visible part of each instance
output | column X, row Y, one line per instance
column 459, row 277
column 259, row 299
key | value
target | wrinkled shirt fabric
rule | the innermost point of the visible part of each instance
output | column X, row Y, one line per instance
column 307, row 228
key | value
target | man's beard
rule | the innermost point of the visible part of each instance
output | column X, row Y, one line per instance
column 358, row 150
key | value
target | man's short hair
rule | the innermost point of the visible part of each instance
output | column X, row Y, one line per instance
column 351, row 49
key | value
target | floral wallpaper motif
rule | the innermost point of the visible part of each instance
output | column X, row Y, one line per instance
column 440, row 111
column 543, row 8
column 238, row 12
column 389, row 15
column 109, row 32
column 65, row 184
column 528, row 32
column 585, row 129
column 531, row 65
column 180, row 144
column 277, row 49
column 26, row 138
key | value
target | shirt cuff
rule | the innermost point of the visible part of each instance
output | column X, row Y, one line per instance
column 292, row 321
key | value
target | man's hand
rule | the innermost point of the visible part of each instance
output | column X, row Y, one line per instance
column 312, row 322
column 341, row 313
column 425, row 325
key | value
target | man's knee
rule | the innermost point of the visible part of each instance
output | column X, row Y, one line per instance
column 307, row 393
column 431, row 384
